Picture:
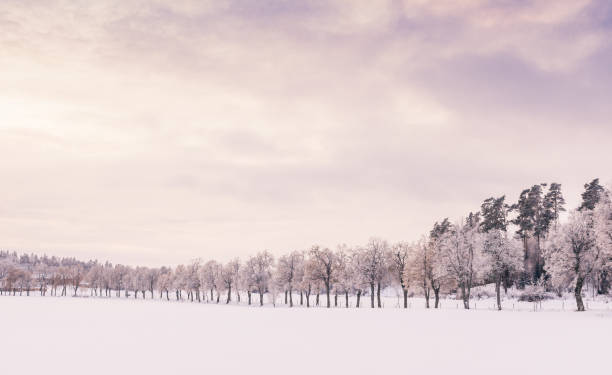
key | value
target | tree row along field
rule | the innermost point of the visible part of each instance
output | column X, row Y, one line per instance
column 523, row 247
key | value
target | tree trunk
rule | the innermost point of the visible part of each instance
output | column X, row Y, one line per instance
column 327, row 294
column 301, row 298
column 317, row 299
column 346, row 299
column 229, row 294
column 465, row 297
column 358, row 297
column 249, row 295
column 405, row 299
column 286, row 297
column 436, row 297
column 578, row 293
column 290, row 297
column 378, row 295
column 372, row 294
column 260, row 298
column 498, row 282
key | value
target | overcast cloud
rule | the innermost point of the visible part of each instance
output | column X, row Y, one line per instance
column 155, row 132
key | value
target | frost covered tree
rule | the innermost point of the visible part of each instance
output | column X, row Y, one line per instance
column 290, row 270
column 150, row 280
column 418, row 268
column 6, row 265
column 573, row 253
column 354, row 267
column 76, row 275
column 373, row 266
column 164, row 282
column 603, row 222
column 192, row 280
column 461, row 253
column 209, row 276
column 324, row 268
column 179, row 280
column 259, row 272
column 502, row 255
column 95, row 279
column 436, row 272
column 398, row 259
column 426, row 267
column 119, row 278
column 308, row 282
column 602, row 216
column 345, row 274
column 229, row 277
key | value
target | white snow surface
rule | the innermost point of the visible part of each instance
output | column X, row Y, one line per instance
column 64, row 335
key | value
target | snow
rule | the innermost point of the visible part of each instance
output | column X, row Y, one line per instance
column 64, row 335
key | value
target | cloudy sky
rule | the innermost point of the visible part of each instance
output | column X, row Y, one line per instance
column 159, row 131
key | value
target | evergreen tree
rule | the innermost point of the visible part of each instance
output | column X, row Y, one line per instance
column 531, row 221
column 473, row 220
column 592, row 195
column 439, row 229
column 553, row 204
column 524, row 218
column 494, row 213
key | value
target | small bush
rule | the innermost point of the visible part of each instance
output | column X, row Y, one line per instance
column 534, row 293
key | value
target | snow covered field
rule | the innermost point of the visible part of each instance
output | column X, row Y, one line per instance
column 118, row 336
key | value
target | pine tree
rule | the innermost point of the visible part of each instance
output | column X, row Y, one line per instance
column 524, row 218
column 531, row 221
column 439, row 229
column 592, row 195
column 494, row 214
column 553, row 204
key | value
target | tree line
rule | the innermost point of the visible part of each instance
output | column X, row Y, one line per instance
column 518, row 244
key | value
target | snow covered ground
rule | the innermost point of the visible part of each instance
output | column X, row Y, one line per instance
column 122, row 336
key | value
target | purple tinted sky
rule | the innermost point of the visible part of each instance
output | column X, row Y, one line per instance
column 159, row 131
